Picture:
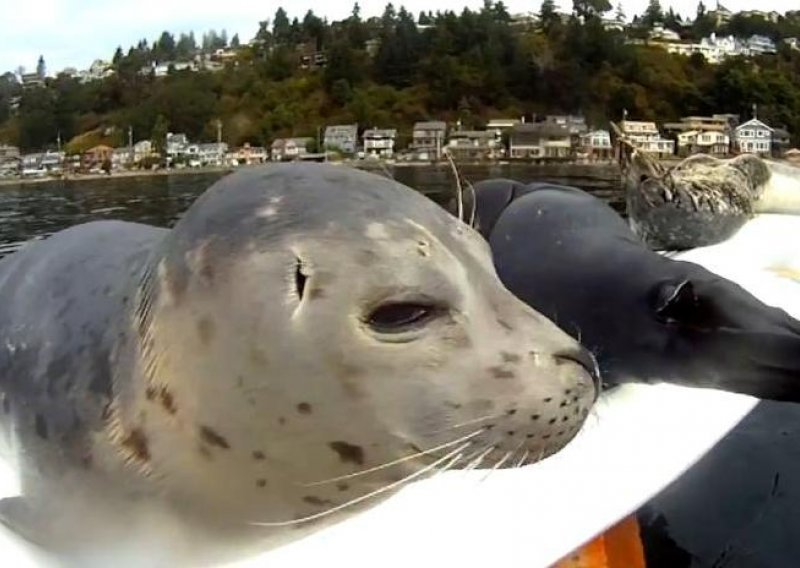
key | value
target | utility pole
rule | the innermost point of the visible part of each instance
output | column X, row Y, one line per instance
column 58, row 141
column 130, row 144
column 219, row 131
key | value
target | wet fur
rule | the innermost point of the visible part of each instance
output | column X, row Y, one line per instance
column 208, row 373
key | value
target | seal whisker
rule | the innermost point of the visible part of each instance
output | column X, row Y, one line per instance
column 467, row 423
column 521, row 462
column 496, row 466
column 477, row 461
column 394, row 462
column 450, row 464
column 459, row 188
column 369, row 495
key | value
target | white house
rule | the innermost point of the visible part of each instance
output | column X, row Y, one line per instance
column 540, row 140
column 142, row 150
column 645, row 136
column 379, row 142
column 475, row 144
column 711, row 142
column 753, row 137
column 177, row 144
column 212, row 153
column 597, row 143
column 286, row 149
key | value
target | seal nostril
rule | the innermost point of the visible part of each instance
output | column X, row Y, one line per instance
column 586, row 360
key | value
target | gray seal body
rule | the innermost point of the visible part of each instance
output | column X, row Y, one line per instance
column 305, row 337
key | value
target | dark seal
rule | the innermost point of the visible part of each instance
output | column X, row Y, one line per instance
column 646, row 317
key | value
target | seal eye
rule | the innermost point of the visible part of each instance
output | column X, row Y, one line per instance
column 400, row 316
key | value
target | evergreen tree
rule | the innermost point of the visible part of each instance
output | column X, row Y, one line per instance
column 41, row 70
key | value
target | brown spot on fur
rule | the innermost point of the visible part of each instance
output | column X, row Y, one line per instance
column 258, row 357
column 366, row 258
column 453, row 405
column 509, row 357
column 86, row 461
column 212, row 438
column 204, row 451
column 505, row 324
column 150, row 393
column 348, row 453
column 206, row 330
column 501, row 373
column 258, row 455
column 304, row 408
column 167, row 401
column 342, row 486
column 261, row 482
column 315, row 293
column 281, row 420
column 348, row 375
column 316, row 501
column 136, row 443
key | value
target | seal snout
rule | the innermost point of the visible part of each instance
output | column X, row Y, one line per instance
column 585, row 359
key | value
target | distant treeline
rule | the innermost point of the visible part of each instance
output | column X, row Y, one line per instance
column 393, row 70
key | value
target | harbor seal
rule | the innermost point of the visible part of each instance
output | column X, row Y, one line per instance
column 646, row 317
column 702, row 200
column 304, row 340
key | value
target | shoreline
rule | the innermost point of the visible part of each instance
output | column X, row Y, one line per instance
column 5, row 182
column 366, row 165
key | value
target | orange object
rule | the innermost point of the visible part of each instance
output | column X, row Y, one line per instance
column 618, row 547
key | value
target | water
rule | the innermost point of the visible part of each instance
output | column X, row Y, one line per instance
column 36, row 211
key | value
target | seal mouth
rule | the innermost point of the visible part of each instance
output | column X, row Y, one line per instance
column 585, row 359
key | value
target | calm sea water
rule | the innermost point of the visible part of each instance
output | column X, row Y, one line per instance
column 38, row 210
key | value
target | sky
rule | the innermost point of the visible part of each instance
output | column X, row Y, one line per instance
column 73, row 33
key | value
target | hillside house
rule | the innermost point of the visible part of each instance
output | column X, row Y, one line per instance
column 753, row 137
column 540, row 140
column 379, row 142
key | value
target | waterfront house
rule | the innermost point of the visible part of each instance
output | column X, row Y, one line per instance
column 247, row 155
column 574, row 124
column 177, row 145
column 97, row 157
column 597, row 144
column 53, row 162
column 122, row 158
column 342, row 137
column 428, row 139
column 646, row 136
column 540, row 140
column 142, row 150
column 9, row 160
column 753, row 137
column 713, row 143
column 287, row 149
column 212, row 153
column 475, row 145
column 31, row 165
column 501, row 125
column 379, row 142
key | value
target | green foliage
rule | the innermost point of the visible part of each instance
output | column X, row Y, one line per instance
column 470, row 66
column 159, row 135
